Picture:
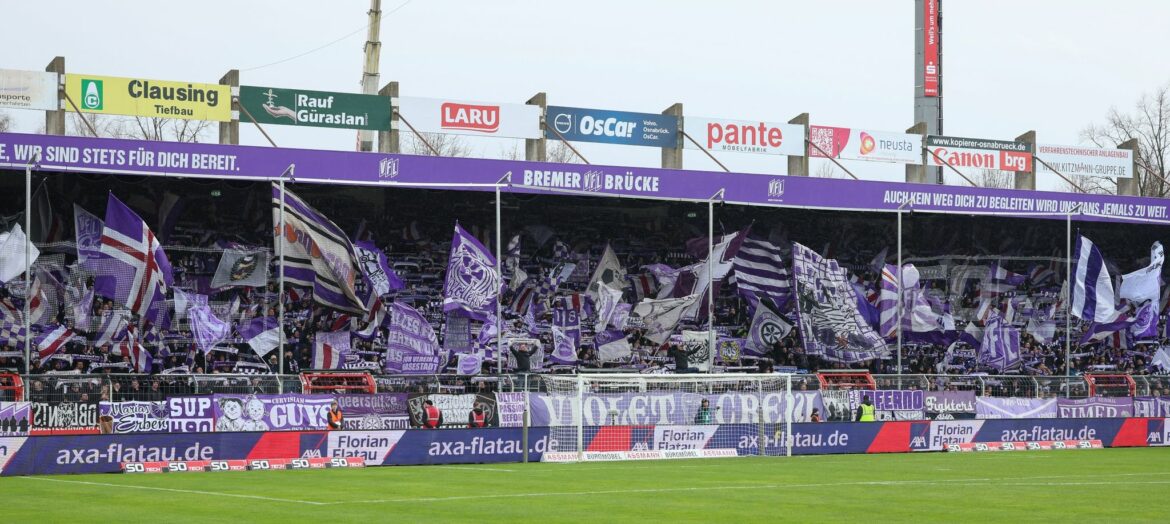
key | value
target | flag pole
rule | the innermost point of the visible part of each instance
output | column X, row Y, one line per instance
column 499, row 280
column 291, row 172
column 1068, row 280
column 28, row 240
column 900, row 291
column 711, row 271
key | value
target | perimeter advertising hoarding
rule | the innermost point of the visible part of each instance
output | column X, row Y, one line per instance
column 301, row 107
column 439, row 115
column 28, row 90
column 150, row 98
column 858, row 144
column 979, row 153
column 611, row 127
column 745, row 136
column 1084, row 161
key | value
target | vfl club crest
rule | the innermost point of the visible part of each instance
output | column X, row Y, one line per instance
column 388, row 168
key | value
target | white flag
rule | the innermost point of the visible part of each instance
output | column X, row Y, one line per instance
column 12, row 251
column 609, row 272
column 659, row 317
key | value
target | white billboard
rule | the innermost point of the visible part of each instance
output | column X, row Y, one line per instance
column 862, row 144
column 745, row 136
column 438, row 115
column 1085, row 161
column 28, row 90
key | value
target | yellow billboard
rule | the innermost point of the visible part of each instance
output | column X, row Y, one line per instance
column 143, row 97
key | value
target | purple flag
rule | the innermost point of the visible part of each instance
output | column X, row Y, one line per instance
column 1000, row 349
column 830, row 323
column 88, row 228
column 411, row 345
column 262, row 334
column 207, row 328
column 377, row 269
column 133, row 269
column 566, row 331
column 473, row 284
column 1145, row 325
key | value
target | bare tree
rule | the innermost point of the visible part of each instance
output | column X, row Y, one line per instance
column 827, row 170
column 557, row 151
column 140, row 128
column 5, row 122
column 1149, row 124
column 994, row 178
column 446, row 145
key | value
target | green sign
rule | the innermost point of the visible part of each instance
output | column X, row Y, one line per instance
column 298, row 107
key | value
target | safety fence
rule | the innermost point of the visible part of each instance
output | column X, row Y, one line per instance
column 119, row 387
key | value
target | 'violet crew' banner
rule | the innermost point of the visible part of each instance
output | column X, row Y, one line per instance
column 74, row 154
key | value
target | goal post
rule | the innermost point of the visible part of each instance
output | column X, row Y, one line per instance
column 634, row 416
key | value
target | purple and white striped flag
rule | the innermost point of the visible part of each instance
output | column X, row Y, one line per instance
column 317, row 254
column 758, row 271
column 1092, row 291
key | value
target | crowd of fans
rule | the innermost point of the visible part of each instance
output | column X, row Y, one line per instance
column 414, row 228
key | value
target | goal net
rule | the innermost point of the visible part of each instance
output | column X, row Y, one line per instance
column 627, row 417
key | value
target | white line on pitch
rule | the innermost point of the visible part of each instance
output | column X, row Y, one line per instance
column 473, row 468
column 173, row 490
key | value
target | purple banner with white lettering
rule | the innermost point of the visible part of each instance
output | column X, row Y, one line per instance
column 1151, row 406
column 84, row 154
column 290, row 411
column 373, row 412
column 174, row 415
column 673, row 408
column 1014, row 407
column 889, row 399
column 1095, row 407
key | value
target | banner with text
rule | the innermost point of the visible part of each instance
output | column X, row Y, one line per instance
column 150, row 98
column 271, row 412
column 673, row 408
column 978, row 153
column 745, row 136
column 438, row 115
column 28, row 90
column 66, row 418
column 174, row 415
column 1015, row 407
column 857, row 144
column 1095, row 407
column 270, row 105
column 612, row 127
column 1084, row 161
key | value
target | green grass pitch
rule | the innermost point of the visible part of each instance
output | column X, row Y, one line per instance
column 1112, row 485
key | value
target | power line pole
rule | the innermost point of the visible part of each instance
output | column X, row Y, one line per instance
column 373, row 52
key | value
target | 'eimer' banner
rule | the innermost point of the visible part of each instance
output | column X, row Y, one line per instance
column 1095, row 407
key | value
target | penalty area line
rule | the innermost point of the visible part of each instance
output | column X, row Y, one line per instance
column 174, row 490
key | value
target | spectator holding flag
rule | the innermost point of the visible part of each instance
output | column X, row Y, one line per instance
column 523, row 357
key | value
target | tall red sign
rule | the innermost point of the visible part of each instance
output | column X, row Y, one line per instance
column 930, row 49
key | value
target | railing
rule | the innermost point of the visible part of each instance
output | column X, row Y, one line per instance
column 111, row 387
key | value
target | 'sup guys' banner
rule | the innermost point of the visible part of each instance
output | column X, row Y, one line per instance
column 858, row 144
column 437, row 115
column 151, row 98
column 745, row 136
column 978, row 153
column 270, row 105
column 1085, row 161
column 270, row 412
column 28, row 90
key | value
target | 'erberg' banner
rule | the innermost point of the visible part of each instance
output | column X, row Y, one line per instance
column 28, row 90
column 151, row 98
column 980, row 153
column 859, row 144
column 301, row 107
column 1085, row 161
column 612, row 127
column 745, row 136
column 437, row 115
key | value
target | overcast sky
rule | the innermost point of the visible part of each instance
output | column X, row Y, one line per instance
column 1009, row 66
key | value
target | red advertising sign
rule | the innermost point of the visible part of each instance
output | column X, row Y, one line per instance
column 930, row 47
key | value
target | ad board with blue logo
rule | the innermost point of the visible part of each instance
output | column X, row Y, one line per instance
column 612, row 127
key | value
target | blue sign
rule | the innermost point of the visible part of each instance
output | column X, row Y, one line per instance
column 612, row 127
